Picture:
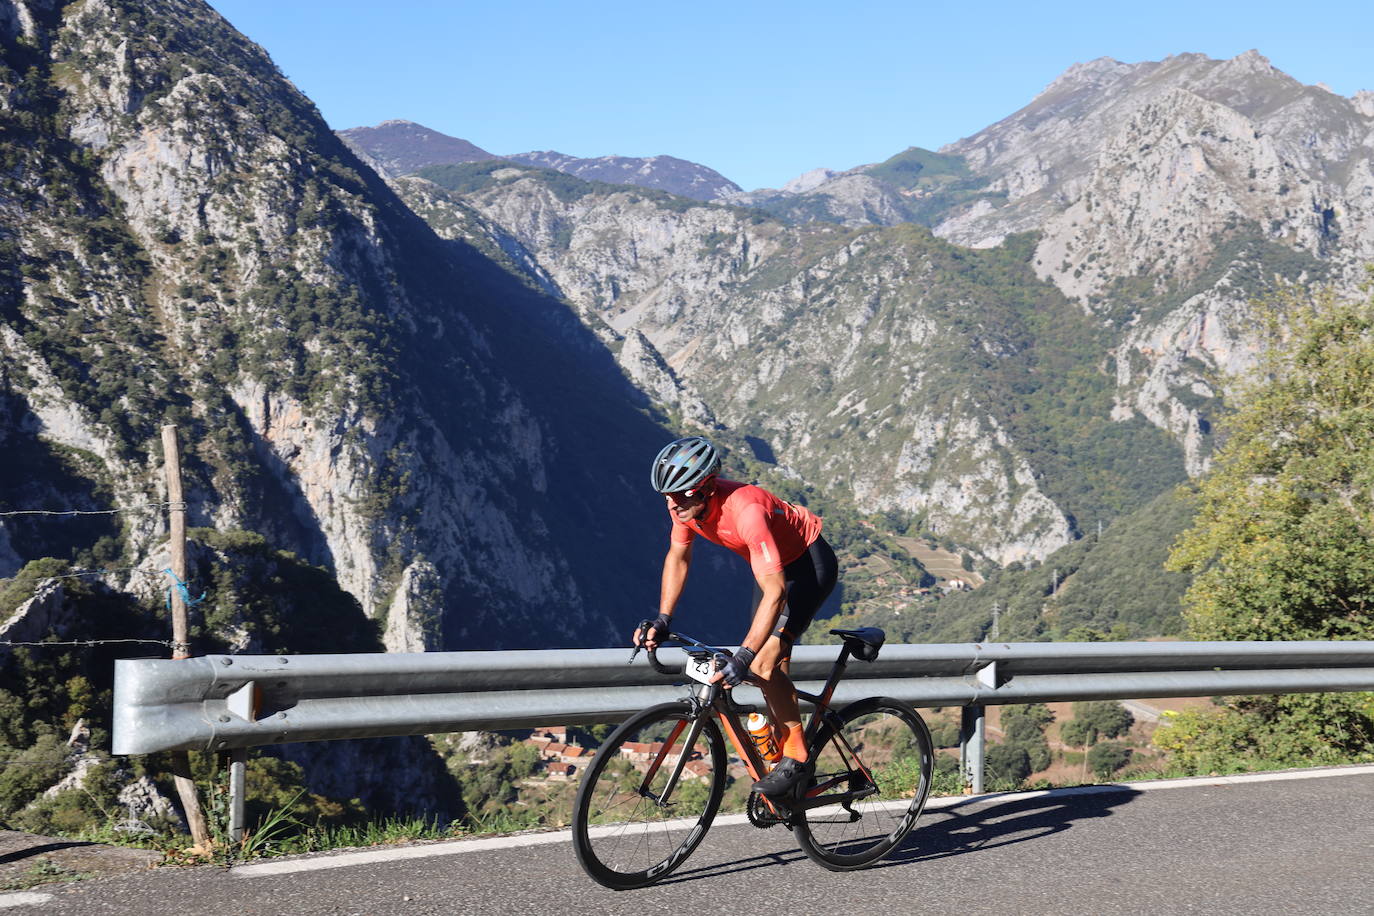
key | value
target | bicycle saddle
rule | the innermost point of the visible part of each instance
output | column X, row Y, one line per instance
column 863, row 642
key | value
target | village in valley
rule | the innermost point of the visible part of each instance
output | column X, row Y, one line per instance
column 561, row 760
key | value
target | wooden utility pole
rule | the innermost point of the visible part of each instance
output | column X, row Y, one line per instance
column 176, row 512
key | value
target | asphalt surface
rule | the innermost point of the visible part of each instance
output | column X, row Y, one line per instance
column 1277, row 847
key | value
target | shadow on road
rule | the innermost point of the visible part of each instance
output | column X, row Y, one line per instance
column 976, row 825
column 972, row 825
column 31, row 851
column 766, row 860
column 969, row 826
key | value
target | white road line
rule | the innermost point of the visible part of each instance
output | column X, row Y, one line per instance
column 454, row 847
column 23, row 898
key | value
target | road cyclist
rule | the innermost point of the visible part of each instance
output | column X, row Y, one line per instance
column 850, row 784
column 794, row 571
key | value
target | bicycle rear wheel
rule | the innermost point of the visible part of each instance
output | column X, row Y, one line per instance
column 875, row 770
column 625, row 833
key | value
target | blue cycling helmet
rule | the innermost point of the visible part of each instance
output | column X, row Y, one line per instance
column 684, row 464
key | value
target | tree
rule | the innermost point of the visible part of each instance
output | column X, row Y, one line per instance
column 1108, row 757
column 1008, row 762
column 1283, row 543
column 1024, row 727
column 1103, row 717
column 1078, row 733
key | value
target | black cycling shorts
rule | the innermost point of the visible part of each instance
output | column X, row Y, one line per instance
column 810, row 580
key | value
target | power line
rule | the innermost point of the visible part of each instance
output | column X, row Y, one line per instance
column 80, row 574
column 88, row 642
column 68, row 513
column 85, row 573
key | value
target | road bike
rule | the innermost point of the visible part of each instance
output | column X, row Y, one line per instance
column 654, row 786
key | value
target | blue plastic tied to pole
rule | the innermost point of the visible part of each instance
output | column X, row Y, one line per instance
column 185, row 592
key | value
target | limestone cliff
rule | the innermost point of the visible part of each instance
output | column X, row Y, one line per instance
column 825, row 343
column 197, row 247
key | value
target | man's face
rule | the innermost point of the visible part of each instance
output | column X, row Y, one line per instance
column 691, row 507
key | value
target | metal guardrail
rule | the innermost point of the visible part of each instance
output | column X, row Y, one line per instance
column 233, row 702
column 222, row 702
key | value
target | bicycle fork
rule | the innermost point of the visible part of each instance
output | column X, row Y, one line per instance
column 661, row 800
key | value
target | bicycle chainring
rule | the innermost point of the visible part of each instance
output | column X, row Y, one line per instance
column 760, row 815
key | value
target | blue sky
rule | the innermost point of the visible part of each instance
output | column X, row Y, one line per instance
column 759, row 91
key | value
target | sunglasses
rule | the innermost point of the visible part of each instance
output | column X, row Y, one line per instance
column 701, row 490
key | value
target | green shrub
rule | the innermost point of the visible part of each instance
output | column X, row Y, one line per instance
column 1107, row 757
column 24, row 774
column 1007, row 763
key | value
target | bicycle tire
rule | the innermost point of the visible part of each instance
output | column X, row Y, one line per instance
column 894, row 743
column 624, row 840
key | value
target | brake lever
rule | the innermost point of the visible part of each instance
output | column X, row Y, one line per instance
column 641, row 632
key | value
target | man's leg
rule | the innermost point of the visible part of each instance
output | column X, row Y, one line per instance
column 771, row 668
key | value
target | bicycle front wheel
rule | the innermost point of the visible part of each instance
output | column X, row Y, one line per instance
column 872, row 777
column 629, row 830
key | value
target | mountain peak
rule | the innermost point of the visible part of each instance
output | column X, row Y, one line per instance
column 1251, row 61
column 1096, row 72
column 401, row 147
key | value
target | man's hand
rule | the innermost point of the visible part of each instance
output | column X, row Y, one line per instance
column 736, row 670
column 649, row 637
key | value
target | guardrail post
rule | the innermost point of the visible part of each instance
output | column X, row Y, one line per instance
column 972, row 743
column 238, row 766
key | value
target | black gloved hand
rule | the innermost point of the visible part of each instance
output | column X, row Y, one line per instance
column 737, row 668
column 659, row 628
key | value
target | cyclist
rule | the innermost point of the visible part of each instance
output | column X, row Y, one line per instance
column 794, row 571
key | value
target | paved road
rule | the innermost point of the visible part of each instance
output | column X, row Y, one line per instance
column 1279, row 846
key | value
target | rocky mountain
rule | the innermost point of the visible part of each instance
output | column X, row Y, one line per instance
column 663, row 173
column 185, row 241
column 397, row 148
column 999, row 388
column 914, row 186
column 400, row 147
column 1161, row 197
column 1164, row 193
column 885, row 368
column 391, row 440
column 1160, row 190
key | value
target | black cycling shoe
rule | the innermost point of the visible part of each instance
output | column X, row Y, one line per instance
column 782, row 779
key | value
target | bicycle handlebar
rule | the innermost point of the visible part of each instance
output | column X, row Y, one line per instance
column 676, row 637
column 658, row 665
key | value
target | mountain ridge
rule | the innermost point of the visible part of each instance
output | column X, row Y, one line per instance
column 397, row 148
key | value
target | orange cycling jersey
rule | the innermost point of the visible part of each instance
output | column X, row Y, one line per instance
column 755, row 524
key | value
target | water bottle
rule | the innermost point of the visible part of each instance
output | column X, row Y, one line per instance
column 761, row 733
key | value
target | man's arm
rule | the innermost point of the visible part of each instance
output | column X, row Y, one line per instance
column 774, row 587
column 675, row 566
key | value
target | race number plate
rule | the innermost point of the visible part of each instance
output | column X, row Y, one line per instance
column 701, row 669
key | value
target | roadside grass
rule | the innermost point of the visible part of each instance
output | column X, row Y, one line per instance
column 41, row 872
column 280, row 835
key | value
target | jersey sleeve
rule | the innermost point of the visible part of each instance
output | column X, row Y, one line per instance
column 752, row 524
